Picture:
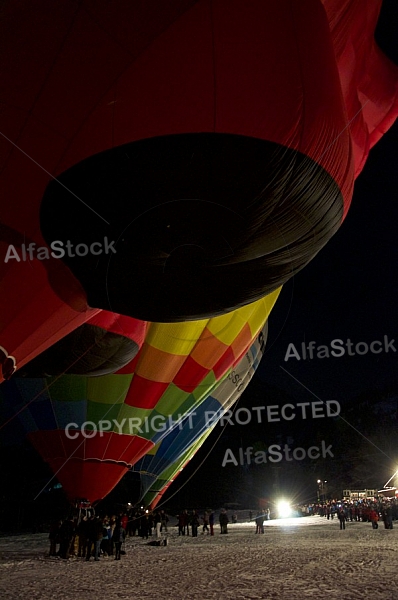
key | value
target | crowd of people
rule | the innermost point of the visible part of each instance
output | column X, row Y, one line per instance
column 369, row 511
column 91, row 536
column 95, row 536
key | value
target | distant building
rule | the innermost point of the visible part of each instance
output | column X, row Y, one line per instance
column 355, row 495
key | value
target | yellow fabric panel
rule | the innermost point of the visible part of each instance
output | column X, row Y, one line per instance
column 181, row 338
column 259, row 315
column 227, row 327
column 157, row 365
column 175, row 338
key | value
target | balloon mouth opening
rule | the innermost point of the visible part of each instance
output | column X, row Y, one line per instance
column 186, row 257
column 173, row 222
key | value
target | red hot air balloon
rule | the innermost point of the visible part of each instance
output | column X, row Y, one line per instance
column 179, row 160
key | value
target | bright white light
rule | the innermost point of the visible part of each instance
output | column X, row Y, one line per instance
column 284, row 510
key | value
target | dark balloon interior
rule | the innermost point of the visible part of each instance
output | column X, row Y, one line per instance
column 89, row 350
column 190, row 225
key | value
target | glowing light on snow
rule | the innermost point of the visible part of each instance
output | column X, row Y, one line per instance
column 284, row 509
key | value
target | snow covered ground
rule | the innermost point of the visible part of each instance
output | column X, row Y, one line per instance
column 294, row 559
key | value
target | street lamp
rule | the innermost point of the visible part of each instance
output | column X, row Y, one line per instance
column 321, row 490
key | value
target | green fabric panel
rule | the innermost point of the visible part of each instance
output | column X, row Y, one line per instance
column 132, row 421
column 157, row 424
column 69, row 388
column 97, row 411
column 132, row 412
column 109, row 389
column 157, row 486
column 171, row 400
column 185, row 407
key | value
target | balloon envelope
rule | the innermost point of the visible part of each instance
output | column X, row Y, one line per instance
column 166, row 460
column 91, row 430
column 172, row 161
column 104, row 344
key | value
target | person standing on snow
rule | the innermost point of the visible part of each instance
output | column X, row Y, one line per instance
column 195, row 523
column 94, row 537
column 118, row 537
column 66, row 535
column 374, row 517
column 158, row 523
column 205, row 519
column 223, row 518
column 342, row 518
column 164, row 519
column 211, row 522
column 54, row 537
